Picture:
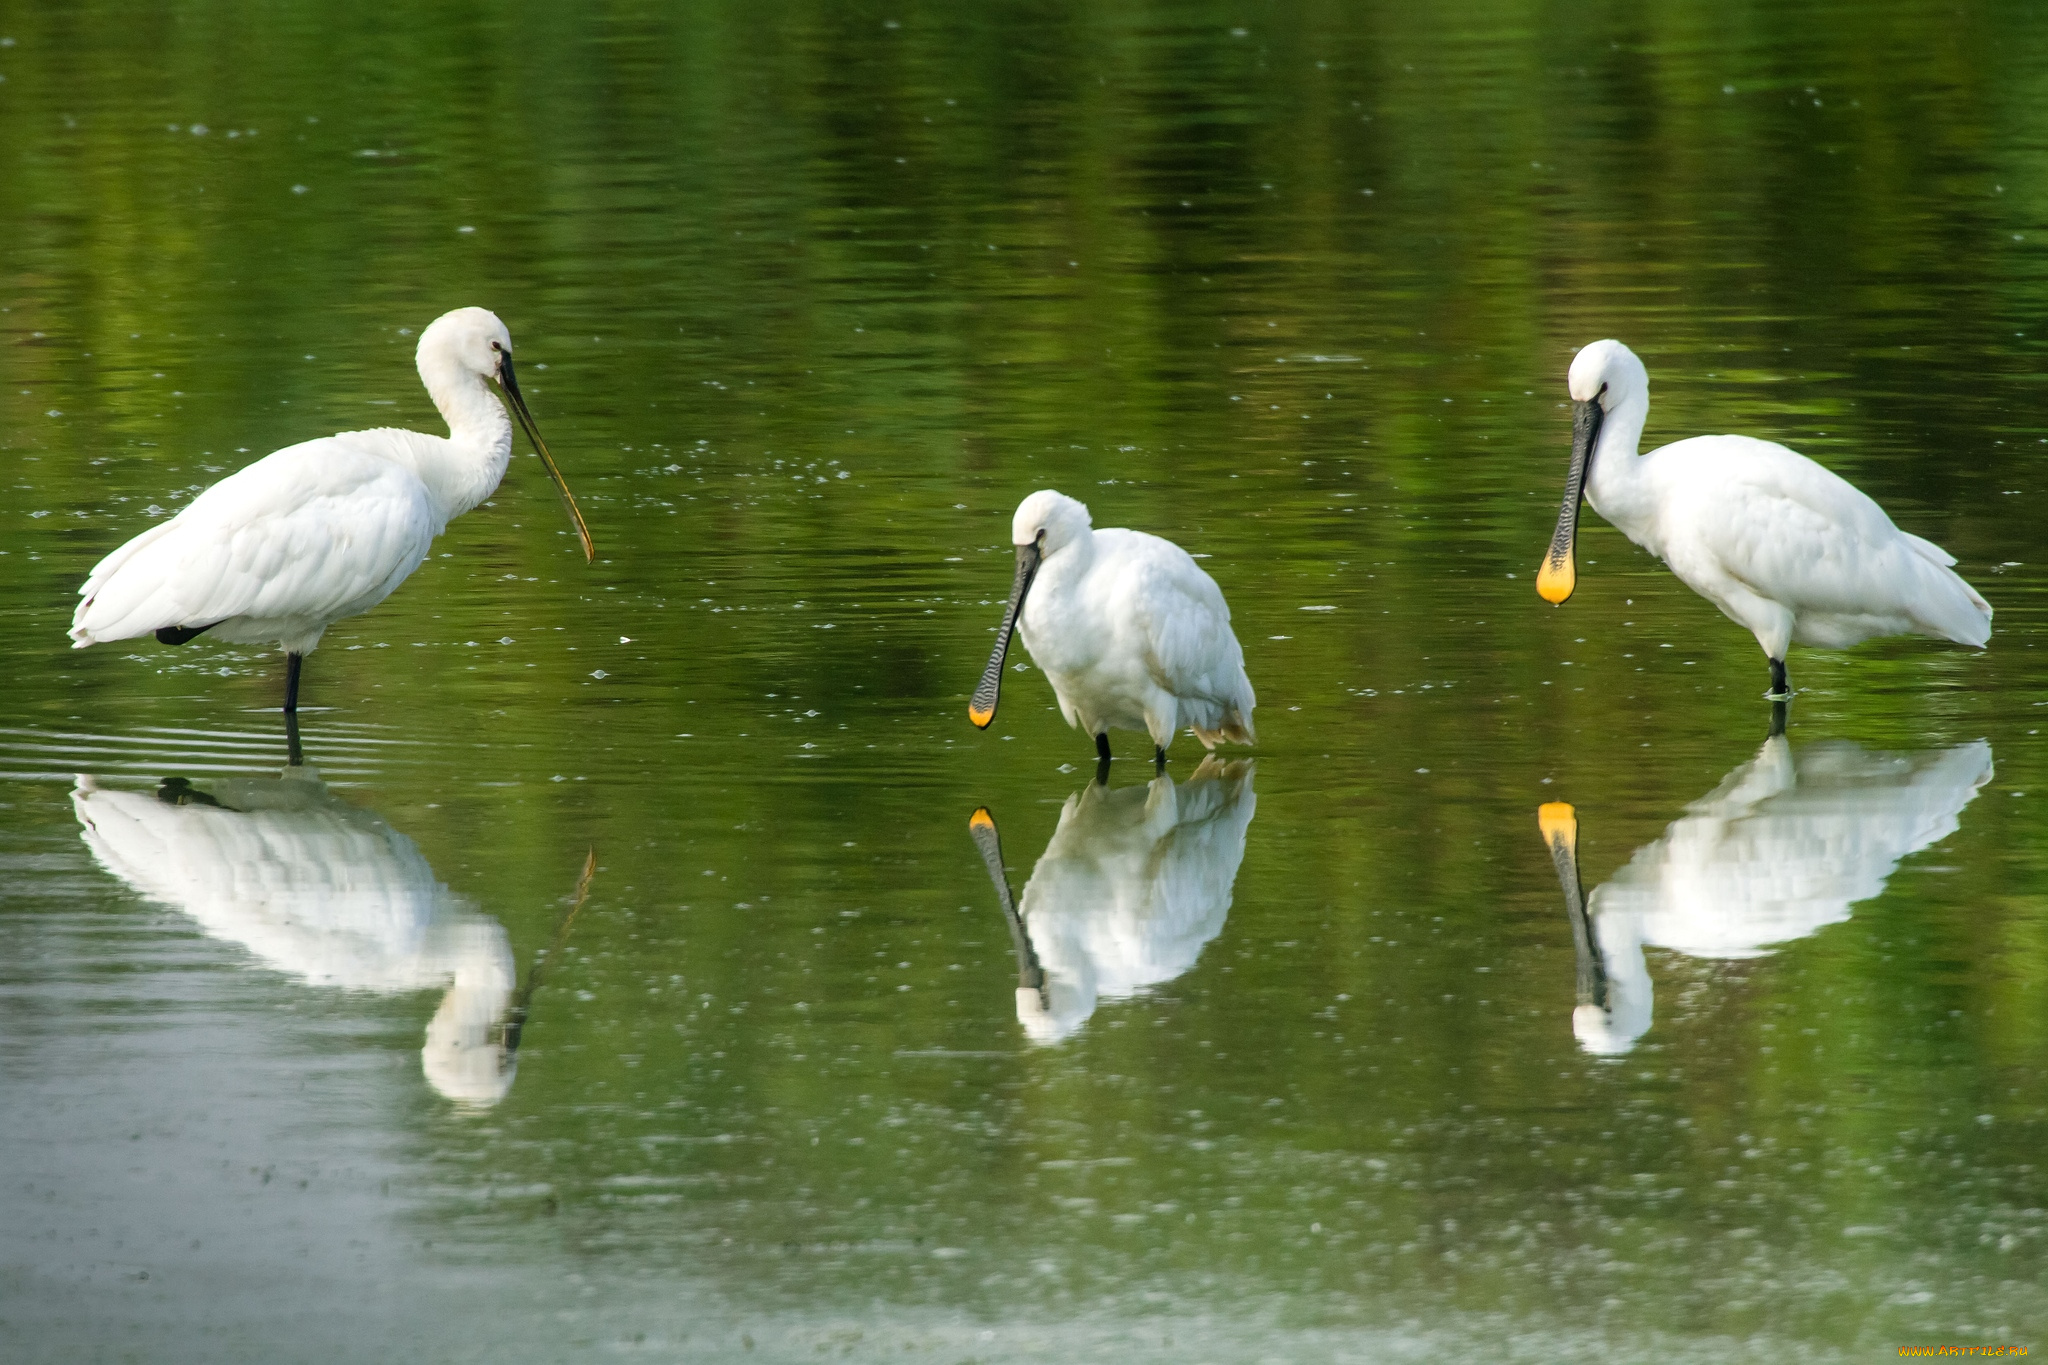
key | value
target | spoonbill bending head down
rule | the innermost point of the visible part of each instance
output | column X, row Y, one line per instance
column 1784, row 847
column 283, row 549
column 1130, row 631
column 1779, row 544
column 1135, row 883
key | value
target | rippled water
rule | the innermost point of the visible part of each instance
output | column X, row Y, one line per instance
column 624, row 976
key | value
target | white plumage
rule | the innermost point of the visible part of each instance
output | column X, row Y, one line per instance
column 322, row 891
column 1129, row 630
column 1784, row 547
column 312, row 533
column 1786, row 844
column 1133, row 885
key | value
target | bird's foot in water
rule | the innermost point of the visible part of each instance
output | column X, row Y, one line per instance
column 1158, row 759
column 1781, row 686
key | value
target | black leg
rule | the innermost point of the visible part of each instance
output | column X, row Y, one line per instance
column 293, row 755
column 1777, row 719
column 1780, row 687
column 1102, row 747
column 1158, row 759
column 293, row 662
column 1102, row 772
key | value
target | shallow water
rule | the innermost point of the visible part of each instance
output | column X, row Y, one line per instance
column 819, row 294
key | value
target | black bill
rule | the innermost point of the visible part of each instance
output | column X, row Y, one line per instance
column 1560, row 827
column 522, row 1003
column 511, row 386
column 982, row 709
column 1559, row 575
column 1030, row 976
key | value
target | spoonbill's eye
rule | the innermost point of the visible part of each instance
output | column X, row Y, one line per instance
column 496, row 347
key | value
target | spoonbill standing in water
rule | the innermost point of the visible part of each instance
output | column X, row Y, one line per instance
column 1779, row 544
column 1130, row 631
column 327, row 892
column 1785, row 846
column 1135, row 883
column 281, row 550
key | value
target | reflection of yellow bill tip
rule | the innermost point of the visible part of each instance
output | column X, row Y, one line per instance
column 1557, row 819
column 981, row 819
column 1555, row 580
column 980, row 717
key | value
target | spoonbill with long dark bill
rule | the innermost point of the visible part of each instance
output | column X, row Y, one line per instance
column 1130, row 631
column 1782, row 546
column 281, row 550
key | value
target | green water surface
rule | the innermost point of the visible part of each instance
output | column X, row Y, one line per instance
column 807, row 297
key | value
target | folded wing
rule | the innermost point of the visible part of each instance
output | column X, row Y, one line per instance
column 312, row 533
column 1193, row 652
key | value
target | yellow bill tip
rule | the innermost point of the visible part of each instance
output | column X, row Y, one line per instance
column 981, row 819
column 1555, row 581
column 1557, row 820
column 980, row 717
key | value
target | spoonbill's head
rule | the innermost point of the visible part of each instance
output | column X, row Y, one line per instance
column 1046, row 523
column 468, row 1055
column 472, row 338
column 465, row 1057
column 1051, row 521
column 474, row 341
column 1603, row 376
column 473, row 1074
column 1054, row 1013
column 1594, row 1027
column 1609, row 371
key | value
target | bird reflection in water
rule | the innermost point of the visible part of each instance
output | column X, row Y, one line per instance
column 329, row 893
column 1783, row 847
column 1132, row 887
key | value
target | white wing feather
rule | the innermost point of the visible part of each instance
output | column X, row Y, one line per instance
column 1192, row 651
column 1794, row 532
column 311, row 533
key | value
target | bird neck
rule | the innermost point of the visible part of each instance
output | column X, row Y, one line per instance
column 1065, row 567
column 479, row 437
column 1771, row 773
column 1631, row 998
column 1614, row 483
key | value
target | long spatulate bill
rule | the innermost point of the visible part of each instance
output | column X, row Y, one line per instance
column 1559, row 575
column 982, row 709
column 510, row 382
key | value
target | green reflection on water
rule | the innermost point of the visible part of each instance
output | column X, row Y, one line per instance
column 820, row 293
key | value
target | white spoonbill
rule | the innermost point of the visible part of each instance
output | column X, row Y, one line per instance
column 1786, row 844
column 1129, row 630
column 323, row 891
column 281, row 550
column 329, row 893
column 1779, row 544
column 1135, row 883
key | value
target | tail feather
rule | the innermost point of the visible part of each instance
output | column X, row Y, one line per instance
column 1958, row 611
column 1928, row 550
column 1235, row 727
column 110, row 621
